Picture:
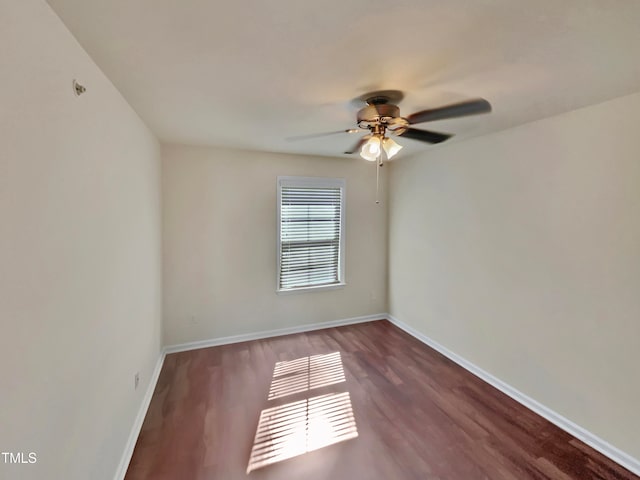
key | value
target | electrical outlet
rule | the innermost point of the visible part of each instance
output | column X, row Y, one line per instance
column 136, row 380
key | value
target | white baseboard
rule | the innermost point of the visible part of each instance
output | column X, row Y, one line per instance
column 630, row 463
column 137, row 424
column 214, row 342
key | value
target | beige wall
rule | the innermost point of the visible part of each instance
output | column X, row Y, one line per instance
column 219, row 234
column 520, row 251
column 79, row 254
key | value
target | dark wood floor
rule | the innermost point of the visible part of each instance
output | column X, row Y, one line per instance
column 418, row 416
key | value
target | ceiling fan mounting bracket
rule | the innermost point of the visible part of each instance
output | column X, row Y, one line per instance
column 380, row 97
column 378, row 100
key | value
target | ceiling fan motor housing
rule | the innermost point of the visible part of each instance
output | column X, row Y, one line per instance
column 377, row 114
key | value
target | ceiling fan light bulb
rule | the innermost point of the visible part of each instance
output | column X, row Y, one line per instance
column 390, row 147
column 371, row 150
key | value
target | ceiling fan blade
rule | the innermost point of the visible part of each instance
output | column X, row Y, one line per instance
column 461, row 109
column 358, row 145
column 318, row 135
column 425, row 135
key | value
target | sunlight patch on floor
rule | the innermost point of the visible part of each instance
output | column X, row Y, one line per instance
column 296, row 428
column 305, row 374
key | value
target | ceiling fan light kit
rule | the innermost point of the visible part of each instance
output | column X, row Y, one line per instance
column 371, row 149
column 390, row 147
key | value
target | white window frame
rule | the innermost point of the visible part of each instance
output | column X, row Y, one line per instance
column 313, row 182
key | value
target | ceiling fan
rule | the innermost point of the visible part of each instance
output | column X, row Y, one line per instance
column 381, row 116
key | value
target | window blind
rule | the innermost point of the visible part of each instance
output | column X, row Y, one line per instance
column 310, row 230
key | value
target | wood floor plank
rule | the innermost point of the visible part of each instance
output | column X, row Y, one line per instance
column 418, row 416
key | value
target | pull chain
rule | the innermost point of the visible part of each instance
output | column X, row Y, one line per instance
column 378, row 165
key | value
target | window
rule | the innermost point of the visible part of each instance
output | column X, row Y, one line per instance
column 310, row 233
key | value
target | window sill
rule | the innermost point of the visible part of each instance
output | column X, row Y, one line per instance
column 332, row 286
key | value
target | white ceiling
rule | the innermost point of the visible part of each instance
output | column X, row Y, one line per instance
column 250, row 73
